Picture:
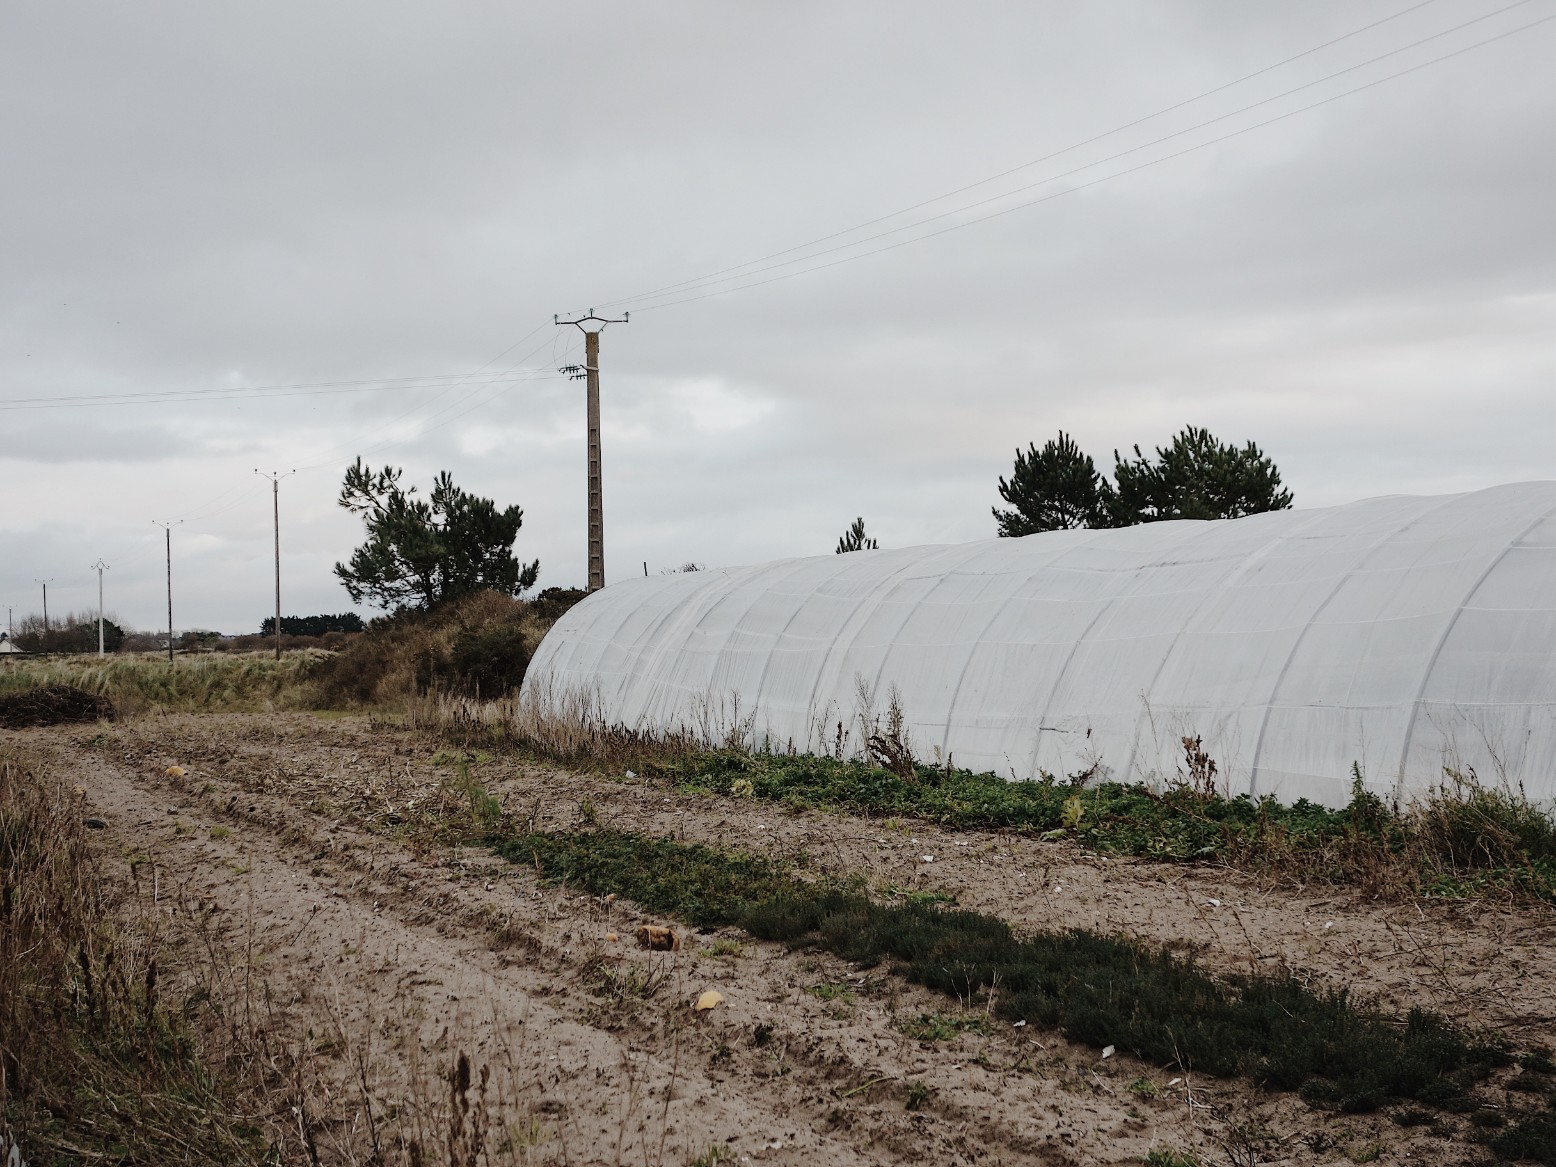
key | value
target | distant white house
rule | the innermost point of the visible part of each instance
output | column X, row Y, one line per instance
column 6, row 645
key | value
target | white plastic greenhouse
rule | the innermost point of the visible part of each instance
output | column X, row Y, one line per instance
column 1401, row 634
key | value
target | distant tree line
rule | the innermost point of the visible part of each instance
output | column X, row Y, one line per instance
column 77, row 632
column 312, row 625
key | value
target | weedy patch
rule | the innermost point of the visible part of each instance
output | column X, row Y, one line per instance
column 943, row 1026
column 1464, row 840
column 832, row 992
column 916, row 895
column 625, row 981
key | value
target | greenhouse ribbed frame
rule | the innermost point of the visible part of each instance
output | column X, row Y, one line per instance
column 1393, row 638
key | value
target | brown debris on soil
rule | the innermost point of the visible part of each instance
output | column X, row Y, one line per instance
column 52, row 705
column 657, row 939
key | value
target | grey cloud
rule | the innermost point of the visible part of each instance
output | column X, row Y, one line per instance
column 204, row 196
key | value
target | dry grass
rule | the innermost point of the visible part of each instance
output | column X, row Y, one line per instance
column 96, row 1057
column 138, row 1025
column 139, row 682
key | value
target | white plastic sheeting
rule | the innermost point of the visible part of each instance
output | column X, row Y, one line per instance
column 1401, row 634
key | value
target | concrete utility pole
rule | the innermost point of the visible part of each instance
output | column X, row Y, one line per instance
column 45, row 583
column 275, row 477
column 591, row 326
column 100, row 567
column 167, row 526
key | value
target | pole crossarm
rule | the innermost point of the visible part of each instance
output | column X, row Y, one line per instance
column 600, row 322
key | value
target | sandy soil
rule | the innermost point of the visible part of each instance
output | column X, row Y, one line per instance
column 283, row 853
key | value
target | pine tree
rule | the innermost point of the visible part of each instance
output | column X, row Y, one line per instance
column 420, row 553
column 1053, row 489
column 854, row 539
column 1196, row 477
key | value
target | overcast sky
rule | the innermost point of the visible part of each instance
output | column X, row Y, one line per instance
column 207, row 201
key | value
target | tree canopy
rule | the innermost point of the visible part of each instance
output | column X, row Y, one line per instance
column 854, row 539
column 1053, row 489
column 312, row 625
column 1195, row 477
column 421, row 552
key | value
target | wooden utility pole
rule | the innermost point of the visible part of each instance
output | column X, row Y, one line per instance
column 167, row 528
column 275, row 477
column 100, row 567
column 591, row 326
column 45, row 583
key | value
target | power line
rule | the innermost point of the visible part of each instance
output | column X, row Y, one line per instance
column 474, row 400
column 1024, row 165
column 331, row 458
column 272, row 392
column 747, row 269
column 1085, row 185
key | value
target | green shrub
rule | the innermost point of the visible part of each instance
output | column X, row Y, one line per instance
column 489, row 662
column 479, row 645
column 1532, row 1137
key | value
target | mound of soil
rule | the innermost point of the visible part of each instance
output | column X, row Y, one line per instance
column 52, row 705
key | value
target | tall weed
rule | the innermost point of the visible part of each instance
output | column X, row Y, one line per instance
column 97, row 1060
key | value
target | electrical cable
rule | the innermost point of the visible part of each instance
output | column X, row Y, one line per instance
column 1085, row 185
column 1025, row 165
column 235, row 392
column 394, row 421
column 713, row 279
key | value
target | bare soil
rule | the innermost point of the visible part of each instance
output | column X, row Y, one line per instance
column 292, row 858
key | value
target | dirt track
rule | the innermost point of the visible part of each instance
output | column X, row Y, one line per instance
column 282, row 841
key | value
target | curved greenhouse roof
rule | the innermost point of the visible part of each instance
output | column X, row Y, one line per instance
column 1401, row 634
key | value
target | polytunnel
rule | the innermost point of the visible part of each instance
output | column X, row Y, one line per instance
column 1399, row 635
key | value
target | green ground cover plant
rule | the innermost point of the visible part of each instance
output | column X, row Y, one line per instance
column 1337, row 1052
